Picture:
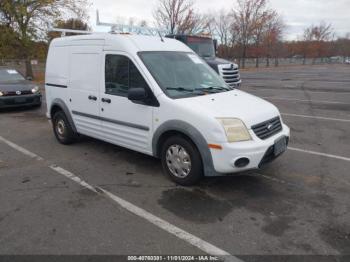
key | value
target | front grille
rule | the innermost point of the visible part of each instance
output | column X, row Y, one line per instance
column 268, row 128
column 230, row 74
column 13, row 93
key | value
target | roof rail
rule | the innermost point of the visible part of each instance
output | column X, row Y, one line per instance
column 121, row 28
column 115, row 29
column 65, row 31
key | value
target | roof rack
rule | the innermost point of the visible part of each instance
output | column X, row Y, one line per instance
column 65, row 31
column 121, row 28
column 115, row 29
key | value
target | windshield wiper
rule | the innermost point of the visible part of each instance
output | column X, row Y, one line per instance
column 215, row 88
column 180, row 89
column 189, row 90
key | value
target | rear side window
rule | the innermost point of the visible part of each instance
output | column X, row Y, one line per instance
column 121, row 74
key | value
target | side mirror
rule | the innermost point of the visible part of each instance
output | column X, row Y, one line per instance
column 215, row 45
column 137, row 94
column 29, row 78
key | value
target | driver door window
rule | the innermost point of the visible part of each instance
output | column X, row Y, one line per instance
column 120, row 75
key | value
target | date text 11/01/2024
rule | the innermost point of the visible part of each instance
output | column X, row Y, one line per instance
column 204, row 258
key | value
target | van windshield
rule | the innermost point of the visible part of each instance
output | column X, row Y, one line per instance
column 182, row 74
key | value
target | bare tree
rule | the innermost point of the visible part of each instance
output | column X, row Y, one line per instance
column 314, row 38
column 209, row 23
column 272, row 38
column 247, row 20
column 321, row 32
column 178, row 16
column 263, row 22
column 31, row 18
column 193, row 23
column 143, row 23
column 223, row 29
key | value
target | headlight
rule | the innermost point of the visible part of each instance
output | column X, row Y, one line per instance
column 235, row 129
column 35, row 90
column 1, row 93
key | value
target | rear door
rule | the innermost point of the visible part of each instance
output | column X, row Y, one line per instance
column 84, row 96
column 124, row 123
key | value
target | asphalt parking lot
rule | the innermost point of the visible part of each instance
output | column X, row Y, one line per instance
column 298, row 205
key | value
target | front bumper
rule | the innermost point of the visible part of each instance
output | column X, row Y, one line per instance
column 17, row 101
column 238, row 84
column 259, row 152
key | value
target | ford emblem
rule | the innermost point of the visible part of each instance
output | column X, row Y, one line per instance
column 18, row 93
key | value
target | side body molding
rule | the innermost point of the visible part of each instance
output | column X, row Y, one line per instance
column 196, row 137
column 60, row 103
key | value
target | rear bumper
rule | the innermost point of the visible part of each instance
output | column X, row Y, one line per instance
column 259, row 152
column 18, row 101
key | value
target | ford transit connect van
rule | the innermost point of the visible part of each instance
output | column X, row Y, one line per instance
column 157, row 97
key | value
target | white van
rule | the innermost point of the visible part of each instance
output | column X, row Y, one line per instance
column 156, row 96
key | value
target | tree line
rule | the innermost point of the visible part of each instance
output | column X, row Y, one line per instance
column 247, row 29
column 251, row 29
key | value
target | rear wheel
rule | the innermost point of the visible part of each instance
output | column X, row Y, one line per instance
column 181, row 161
column 62, row 129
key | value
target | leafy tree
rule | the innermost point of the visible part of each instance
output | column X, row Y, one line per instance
column 72, row 23
column 30, row 19
column 9, row 44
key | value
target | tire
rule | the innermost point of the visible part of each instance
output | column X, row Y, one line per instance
column 181, row 161
column 62, row 129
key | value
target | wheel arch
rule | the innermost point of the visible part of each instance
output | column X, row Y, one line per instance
column 177, row 127
column 60, row 105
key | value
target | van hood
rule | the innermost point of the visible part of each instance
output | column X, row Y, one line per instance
column 250, row 109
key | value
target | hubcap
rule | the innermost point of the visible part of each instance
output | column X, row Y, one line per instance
column 178, row 161
column 61, row 127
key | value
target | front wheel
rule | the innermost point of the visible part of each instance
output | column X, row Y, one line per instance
column 181, row 161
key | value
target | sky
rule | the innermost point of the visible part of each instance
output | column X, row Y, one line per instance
column 297, row 14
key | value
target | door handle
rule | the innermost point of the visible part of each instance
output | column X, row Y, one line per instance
column 106, row 100
column 92, row 98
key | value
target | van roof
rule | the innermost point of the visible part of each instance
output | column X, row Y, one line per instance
column 123, row 42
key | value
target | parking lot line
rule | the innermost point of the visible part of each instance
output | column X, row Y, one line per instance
column 166, row 226
column 157, row 221
column 319, row 154
column 21, row 149
column 317, row 117
column 174, row 230
column 304, row 100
